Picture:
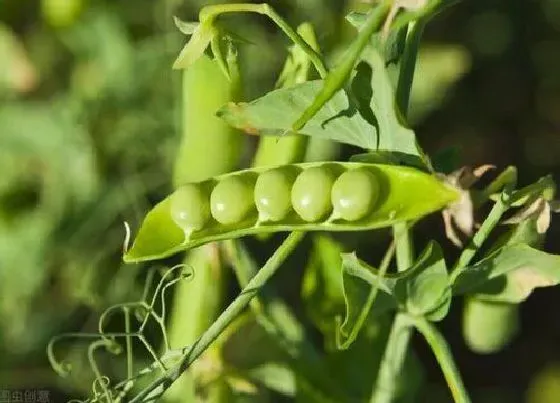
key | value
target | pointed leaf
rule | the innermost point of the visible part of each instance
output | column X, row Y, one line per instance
column 426, row 288
column 362, row 287
column 274, row 113
column 510, row 274
column 297, row 66
column 185, row 27
column 195, row 47
column 277, row 377
column 370, row 122
column 373, row 89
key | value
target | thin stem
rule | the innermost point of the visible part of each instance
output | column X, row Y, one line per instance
column 336, row 79
column 443, row 355
column 508, row 175
column 158, row 387
column 366, row 308
column 128, row 342
column 211, row 12
column 95, row 368
column 282, row 325
column 393, row 360
column 408, row 65
column 507, row 199
column 499, row 208
column 404, row 245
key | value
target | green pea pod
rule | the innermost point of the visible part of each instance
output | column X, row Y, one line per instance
column 324, row 196
column 489, row 326
column 206, row 89
column 197, row 303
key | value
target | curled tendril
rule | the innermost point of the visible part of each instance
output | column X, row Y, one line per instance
column 113, row 347
column 143, row 311
column 109, row 312
column 127, row 236
column 187, row 273
column 100, row 381
column 63, row 368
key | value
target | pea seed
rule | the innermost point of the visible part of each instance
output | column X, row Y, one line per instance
column 311, row 193
column 272, row 194
column 354, row 194
column 190, row 208
column 232, row 200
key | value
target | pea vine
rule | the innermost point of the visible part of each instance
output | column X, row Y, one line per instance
column 393, row 184
column 144, row 310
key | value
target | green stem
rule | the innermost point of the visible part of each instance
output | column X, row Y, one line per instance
column 404, row 246
column 443, row 355
column 128, row 341
column 281, row 324
column 393, row 360
column 211, row 12
column 408, row 65
column 401, row 332
column 499, row 208
column 508, row 175
column 158, row 387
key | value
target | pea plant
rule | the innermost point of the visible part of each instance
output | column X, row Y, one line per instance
column 295, row 185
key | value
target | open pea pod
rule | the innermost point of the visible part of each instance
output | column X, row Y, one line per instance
column 321, row 196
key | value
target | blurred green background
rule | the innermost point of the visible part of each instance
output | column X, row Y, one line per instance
column 90, row 121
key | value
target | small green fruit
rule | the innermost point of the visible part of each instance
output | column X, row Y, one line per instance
column 354, row 194
column 311, row 193
column 190, row 207
column 232, row 200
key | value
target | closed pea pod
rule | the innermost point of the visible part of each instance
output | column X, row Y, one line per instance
column 354, row 194
column 489, row 326
column 311, row 193
column 325, row 196
column 232, row 199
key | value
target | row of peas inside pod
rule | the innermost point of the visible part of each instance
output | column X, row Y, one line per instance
column 313, row 196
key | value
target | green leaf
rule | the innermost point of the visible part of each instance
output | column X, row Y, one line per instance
column 338, row 77
column 273, row 114
column 510, row 274
column 392, row 47
column 362, row 287
column 376, row 99
column 368, row 120
column 279, row 378
column 195, row 47
column 298, row 64
column 425, row 289
column 389, row 158
column 356, row 18
column 186, row 27
column 421, row 290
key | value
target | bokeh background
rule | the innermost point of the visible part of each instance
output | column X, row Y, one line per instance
column 90, row 122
